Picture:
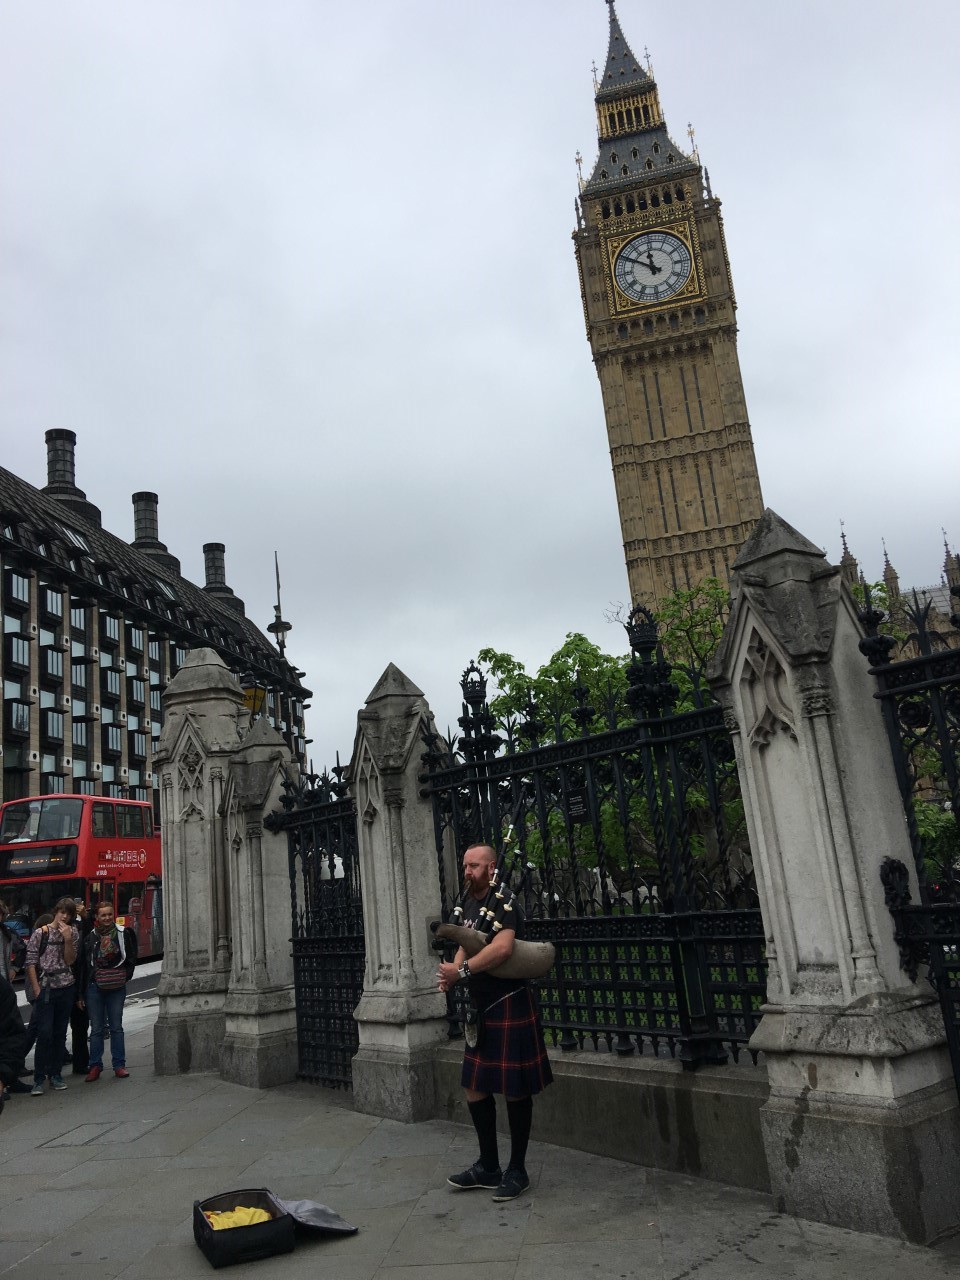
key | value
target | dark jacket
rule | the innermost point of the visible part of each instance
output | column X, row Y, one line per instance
column 128, row 949
column 13, row 1034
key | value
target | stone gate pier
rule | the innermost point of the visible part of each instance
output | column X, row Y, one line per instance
column 861, row 1127
column 226, row 988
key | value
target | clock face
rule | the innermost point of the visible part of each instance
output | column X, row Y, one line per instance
column 652, row 267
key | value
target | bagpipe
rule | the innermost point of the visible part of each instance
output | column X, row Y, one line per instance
column 528, row 959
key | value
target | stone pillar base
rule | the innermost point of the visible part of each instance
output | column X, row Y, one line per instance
column 891, row 1169
column 258, row 1060
column 188, row 1040
column 395, row 1083
column 862, row 1125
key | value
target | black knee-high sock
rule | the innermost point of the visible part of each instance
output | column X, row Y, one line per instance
column 484, row 1116
column 520, row 1116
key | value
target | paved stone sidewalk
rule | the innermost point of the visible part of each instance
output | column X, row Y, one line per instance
column 99, row 1182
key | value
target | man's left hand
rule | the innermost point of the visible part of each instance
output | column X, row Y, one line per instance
column 447, row 975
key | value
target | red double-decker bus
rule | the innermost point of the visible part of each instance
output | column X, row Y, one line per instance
column 89, row 848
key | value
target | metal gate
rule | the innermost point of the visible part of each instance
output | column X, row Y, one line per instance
column 320, row 821
column 920, row 698
column 634, row 859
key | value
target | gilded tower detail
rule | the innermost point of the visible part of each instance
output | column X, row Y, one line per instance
column 660, row 314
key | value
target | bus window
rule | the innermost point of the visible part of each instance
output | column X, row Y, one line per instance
column 103, row 821
column 129, row 820
column 148, row 822
column 31, row 900
column 53, row 818
column 129, row 898
column 102, row 891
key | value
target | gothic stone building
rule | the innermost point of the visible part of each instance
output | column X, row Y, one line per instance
column 660, row 313
column 94, row 627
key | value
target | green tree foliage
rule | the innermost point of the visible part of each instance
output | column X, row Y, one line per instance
column 578, row 660
column 691, row 625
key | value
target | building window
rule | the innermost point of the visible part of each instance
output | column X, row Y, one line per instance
column 52, row 725
column 135, row 639
column 18, row 652
column 138, row 745
column 51, row 602
column 110, row 683
column 51, row 664
column 18, row 589
column 136, row 692
column 79, row 733
column 78, row 675
column 16, row 717
column 112, row 740
column 109, row 628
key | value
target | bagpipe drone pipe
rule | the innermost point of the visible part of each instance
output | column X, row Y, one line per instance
column 528, row 959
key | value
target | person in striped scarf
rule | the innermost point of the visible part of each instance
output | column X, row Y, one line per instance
column 109, row 958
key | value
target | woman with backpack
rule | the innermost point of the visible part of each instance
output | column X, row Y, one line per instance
column 109, row 958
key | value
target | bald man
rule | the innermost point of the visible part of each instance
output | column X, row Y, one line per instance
column 510, row 1056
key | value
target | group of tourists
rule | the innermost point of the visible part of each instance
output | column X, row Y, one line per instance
column 76, row 969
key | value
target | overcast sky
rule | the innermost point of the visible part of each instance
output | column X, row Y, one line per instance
column 304, row 268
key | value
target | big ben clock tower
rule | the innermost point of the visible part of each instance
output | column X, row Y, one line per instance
column 660, row 312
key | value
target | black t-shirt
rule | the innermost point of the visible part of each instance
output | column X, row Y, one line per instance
column 484, row 988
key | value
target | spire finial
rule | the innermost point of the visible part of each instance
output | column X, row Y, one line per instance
column 594, row 69
column 648, row 60
column 886, row 558
column 278, row 627
column 692, row 135
column 578, row 161
column 843, row 539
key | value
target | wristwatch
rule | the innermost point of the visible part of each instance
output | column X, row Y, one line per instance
column 464, row 970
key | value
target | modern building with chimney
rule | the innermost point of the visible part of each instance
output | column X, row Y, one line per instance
column 94, row 627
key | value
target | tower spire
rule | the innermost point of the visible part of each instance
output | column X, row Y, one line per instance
column 622, row 67
column 633, row 140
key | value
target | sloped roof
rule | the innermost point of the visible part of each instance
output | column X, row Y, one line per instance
column 97, row 565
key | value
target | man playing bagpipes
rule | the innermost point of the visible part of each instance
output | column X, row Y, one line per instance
column 505, row 1051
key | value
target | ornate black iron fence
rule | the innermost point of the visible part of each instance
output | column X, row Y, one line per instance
column 320, row 821
column 634, row 859
column 920, row 697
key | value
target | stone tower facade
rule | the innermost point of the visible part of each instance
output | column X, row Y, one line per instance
column 660, row 314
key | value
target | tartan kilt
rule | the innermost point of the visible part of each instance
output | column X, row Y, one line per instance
column 512, row 1057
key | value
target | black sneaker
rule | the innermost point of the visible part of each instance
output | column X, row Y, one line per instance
column 475, row 1176
column 514, row 1183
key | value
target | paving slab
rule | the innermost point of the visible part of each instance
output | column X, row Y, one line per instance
column 111, row 1172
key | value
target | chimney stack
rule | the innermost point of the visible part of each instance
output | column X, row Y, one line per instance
column 215, row 573
column 146, row 526
column 146, row 531
column 61, row 460
column 62, row 478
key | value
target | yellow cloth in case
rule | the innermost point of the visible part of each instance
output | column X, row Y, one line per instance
column 238, row 1217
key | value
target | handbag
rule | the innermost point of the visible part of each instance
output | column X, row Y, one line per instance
column 110, row 979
